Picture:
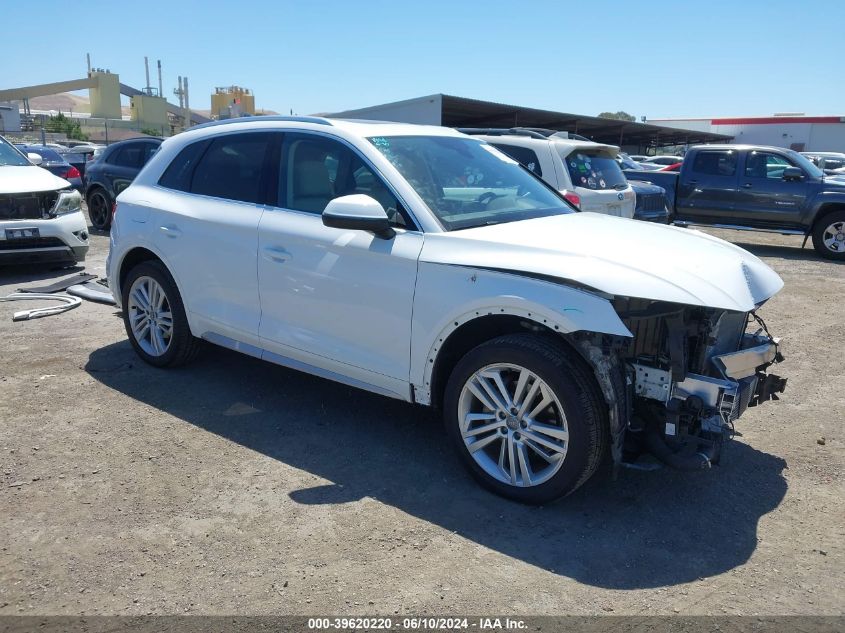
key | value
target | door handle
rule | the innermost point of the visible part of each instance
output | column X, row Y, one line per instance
column 276, row 254
column 170, row 231
column 747, row 185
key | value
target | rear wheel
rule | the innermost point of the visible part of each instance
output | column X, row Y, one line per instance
column 154, row 317
column 527, row 418
column 99, row 209
column 829, row 236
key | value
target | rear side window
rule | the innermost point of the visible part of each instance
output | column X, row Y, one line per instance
column 526, row 157
column 132, row 155
column 180, row 171
column 715, row 163
column 232, row 167
column 594, row 171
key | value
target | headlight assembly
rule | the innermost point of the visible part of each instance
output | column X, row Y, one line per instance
column 68, row 202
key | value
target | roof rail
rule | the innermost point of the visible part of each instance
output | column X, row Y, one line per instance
column 532, row 132
column 514, row 131
column 250, row 119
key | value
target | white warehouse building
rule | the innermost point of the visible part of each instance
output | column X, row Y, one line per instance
column 796, row 131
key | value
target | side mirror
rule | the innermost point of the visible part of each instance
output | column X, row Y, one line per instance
column 793, row 173
column 34, row 158
column 359, row 212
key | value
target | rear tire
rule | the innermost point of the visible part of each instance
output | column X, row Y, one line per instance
column 99, row 209
column 504, row 446
column 154, row 317
column 829, row 236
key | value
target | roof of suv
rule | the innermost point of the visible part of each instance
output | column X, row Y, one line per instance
column 357, row 127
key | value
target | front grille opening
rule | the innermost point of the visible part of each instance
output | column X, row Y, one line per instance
column 27, row 206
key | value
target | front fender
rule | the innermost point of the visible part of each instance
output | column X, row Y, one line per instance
column 449, row 296
column 821, row 200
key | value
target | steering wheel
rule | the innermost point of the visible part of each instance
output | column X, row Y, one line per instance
column 487, row 197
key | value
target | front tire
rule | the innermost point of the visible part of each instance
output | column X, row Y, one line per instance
column 526, row 417
column 829, row 236
column 154, row 317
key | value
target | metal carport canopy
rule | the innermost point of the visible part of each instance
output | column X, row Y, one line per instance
column 463, row 112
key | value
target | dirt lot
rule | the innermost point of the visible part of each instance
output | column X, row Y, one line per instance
column 237, row 487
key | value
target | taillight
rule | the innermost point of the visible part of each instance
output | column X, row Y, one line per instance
column 113, row 209
column 573, row 198
column 73, row 172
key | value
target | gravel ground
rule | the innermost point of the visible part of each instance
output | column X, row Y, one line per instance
column 238, row 487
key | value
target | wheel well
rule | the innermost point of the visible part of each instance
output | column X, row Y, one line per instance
column 91, row 190
column 132, row 259
column 826, row 210
column 472, row 334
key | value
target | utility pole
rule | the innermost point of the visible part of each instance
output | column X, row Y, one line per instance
column 160, row 89
column 187, row 106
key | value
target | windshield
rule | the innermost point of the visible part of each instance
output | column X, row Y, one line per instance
column 468, row 183
column 11, row 156
column 805, row 164
column 593, row 170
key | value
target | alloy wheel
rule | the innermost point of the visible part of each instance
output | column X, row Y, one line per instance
column 833, row 237
column 513, row 425
column 150, row 316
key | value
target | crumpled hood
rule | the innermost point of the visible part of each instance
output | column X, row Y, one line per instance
column 625, row 258
column 29, row 179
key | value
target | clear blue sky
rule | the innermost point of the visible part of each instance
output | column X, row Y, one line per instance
column 648, row 57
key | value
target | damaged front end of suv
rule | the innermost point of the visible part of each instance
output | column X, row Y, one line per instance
column 690, row 372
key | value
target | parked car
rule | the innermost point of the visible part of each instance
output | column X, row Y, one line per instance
column 111, row 173
column 756, row 188
column 55, row 163
column 829, row 162
column 426, row 265
column 584, row 172
column 80, row 155
column 663, row 160
column 40, row 214
column 639, row 157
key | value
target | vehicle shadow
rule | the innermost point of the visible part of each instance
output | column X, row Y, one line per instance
column 27, row 273
column 646, row 529
column 785, row 252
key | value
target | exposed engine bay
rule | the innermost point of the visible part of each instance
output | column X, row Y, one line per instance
column 690, row 372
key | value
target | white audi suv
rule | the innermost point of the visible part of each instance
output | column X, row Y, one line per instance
column 426, row 265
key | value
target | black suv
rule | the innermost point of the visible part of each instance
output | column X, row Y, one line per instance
column 113, row 172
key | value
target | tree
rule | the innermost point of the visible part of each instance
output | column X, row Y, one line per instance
column 63, row 125
column 621, row 115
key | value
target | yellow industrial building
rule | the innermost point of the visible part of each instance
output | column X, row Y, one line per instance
column 231, row 102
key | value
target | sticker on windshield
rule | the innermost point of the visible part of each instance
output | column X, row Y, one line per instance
column 591, row 183
column 380, row 142
column 601, row 184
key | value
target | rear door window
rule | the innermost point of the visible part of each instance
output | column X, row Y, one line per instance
column 592, row 170
column 131, row 156
column 526, row 157
column 715, row 163
column 232, row 167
